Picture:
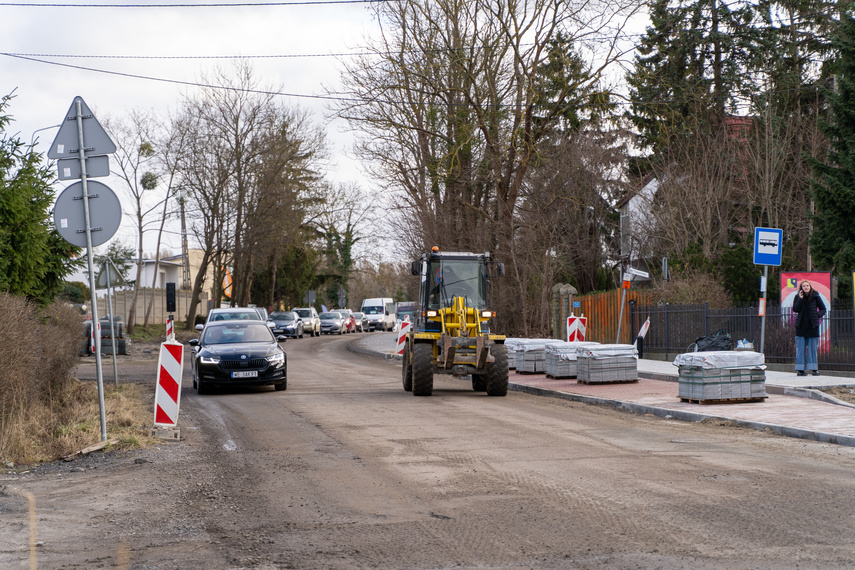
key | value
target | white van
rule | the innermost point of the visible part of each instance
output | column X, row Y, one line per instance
column 380, row 312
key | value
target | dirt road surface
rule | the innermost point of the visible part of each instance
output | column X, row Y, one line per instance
column 346, row 470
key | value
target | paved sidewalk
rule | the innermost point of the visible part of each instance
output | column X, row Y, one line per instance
column 795, row 407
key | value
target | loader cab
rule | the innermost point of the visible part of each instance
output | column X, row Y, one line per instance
column 444, row 276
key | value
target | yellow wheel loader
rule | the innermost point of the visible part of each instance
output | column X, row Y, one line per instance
column 451, row 331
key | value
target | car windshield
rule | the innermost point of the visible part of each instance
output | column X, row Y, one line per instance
column 283, row 316
column 358, row 315
column 237, row 333
column 236, row 316
column 304, row 312
column 373, row 310
column 330, row 316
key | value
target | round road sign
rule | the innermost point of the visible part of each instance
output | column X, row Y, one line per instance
column 105, row 213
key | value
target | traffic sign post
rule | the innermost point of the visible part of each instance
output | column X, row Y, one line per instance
column 81, row 136
column 767, row 251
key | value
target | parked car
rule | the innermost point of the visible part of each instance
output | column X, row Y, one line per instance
column 362, row 324
column 288, row 323
column 332, row 322
column 238, row 352
column 406, row 309
column 349, row 320
column 232, row 314
column 262, row 312
column 311, row 320
column 381, row 313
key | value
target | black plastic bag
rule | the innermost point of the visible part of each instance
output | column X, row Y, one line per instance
column 718, row 341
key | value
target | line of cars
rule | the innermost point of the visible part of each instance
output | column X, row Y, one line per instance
column 239, row 346
column 341, row 321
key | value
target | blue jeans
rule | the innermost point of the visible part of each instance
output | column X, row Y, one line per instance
column 806, row 348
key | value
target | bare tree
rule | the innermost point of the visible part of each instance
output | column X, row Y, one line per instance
column 170, row 146
column 701, row 180
column 135, row 158
column 452, row 110
column 205, row 174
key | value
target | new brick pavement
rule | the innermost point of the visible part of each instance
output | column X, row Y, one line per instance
column 788, row 415
column 792, row 407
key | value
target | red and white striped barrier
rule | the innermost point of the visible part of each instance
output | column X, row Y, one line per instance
column 168, row 393
column 642, row 332
column 402, row 334
column 576, row 328
column 93, row 330
column 170, row 329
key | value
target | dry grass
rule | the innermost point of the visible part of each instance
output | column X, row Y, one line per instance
column 44, row 412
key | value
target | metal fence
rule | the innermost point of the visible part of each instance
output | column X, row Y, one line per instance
column 673, row 328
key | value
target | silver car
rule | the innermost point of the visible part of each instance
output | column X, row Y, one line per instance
column 311, row 320
column 332, row 323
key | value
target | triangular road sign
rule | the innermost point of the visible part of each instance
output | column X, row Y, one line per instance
column 95, row 138
column 109, row 269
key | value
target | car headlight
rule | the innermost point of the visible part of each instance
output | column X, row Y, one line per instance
column 210, row 360
column 276, row 359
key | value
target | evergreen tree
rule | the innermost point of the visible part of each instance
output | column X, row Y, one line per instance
column 33, row 257
column 833, row 238
column 691, row 67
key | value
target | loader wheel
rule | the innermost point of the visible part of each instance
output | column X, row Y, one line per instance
column 407, row 369
column 479, row 382
column 422, row 369
column 497, row 375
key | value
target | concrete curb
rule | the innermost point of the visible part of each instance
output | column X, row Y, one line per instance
column 786, row 431
column 680, row 415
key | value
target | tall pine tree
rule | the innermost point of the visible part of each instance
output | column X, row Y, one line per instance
column 832, row 241
column 691, row 67
column 33, row 257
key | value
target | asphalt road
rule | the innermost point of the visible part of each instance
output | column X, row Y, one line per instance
column 346, row 470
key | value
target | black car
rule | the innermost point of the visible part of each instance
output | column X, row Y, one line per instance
column 238, row 353
column 288, row 323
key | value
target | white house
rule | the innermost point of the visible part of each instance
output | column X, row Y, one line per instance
column 167, row 272
column 636, row 221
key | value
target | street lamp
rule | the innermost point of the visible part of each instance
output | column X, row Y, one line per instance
column 33, row 138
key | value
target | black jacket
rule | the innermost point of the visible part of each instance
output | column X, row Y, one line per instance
column 810, row 310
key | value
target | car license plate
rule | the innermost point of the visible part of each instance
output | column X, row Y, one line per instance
column 245, row 374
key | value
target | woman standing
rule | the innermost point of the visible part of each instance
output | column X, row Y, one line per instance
column 810, row 309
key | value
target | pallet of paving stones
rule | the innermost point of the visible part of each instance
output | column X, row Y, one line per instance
column 560, row 359
column 511, row 346
column 727, row 401
column 718, row 377
column 630, row 381
column 607, row 364
column 529, row 355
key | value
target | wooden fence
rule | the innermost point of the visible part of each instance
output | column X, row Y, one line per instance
column 122, row 301
column 603, row 311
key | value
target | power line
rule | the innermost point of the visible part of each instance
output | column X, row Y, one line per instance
column 203, row 5
column 189, row 57
column 177, row 81
column 625, row 102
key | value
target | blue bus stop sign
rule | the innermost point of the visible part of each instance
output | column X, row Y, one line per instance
column 767, row 246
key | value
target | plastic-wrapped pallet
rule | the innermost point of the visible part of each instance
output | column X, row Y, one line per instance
column 511, row 345
column 721, row 375
column 515, row 349
column 607, row 363
column 530, row 354
column 561, row 358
